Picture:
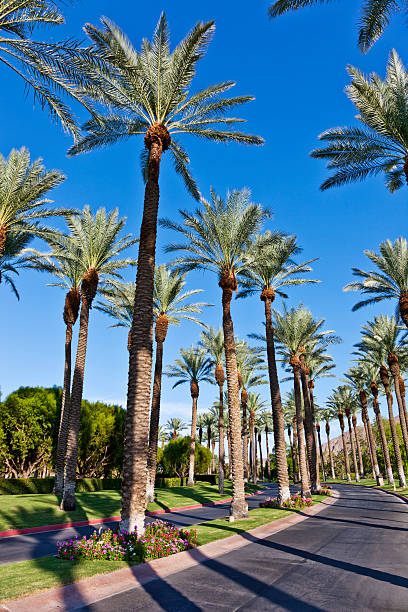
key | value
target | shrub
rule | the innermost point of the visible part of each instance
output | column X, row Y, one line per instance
column 326, row 490
column 159, row 540
column 176, row 457
column 294, row 502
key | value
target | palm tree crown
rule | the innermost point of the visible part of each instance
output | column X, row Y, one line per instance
column 11, row 260
column 23, row 187
column 193, row 367
column 381, row 145
column 149, row 90
column 375, row 16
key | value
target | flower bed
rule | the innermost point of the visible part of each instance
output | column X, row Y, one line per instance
column 294, row 502
column 159, row 540
column 326, row 490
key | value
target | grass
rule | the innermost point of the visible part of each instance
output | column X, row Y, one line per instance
column 29, row 577
column 19, row 511
column 370, row 482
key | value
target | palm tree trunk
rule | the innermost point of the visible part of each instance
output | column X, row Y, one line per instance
column 277, row 410
column 221, row 451
column 310, row 440
column 295, row 456
column 321, row 450
column 260, row 455
column 154, row 423
column 239, row 506
column 333, row 473
column 299, row 424
column 357, row 439
column 268, row 461
column 353, row 448
column 345, row 449
column 190, row 481
column 244, row 398
column 395, row 372
column 213, row 456
column 64, row 419
column 88, row 291
column 395, row 441
column 253, row 447
column 141, row 348
column 230, row 466
column 402, row 392
column 370, row 436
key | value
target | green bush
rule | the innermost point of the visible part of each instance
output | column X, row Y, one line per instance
column 168, row 483
column 176, row 457
column 210, row 478
column 21, row 486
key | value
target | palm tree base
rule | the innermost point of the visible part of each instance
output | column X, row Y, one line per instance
column 68, row 502
column 284, row 494
column 135, row 523
column 190, row 482
column 238, row 510
column 390, row 477
column 149, row 492
column 58, row 483
column 380, row 481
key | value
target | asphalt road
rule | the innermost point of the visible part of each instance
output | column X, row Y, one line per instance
column 31, row 546
column 351, row 556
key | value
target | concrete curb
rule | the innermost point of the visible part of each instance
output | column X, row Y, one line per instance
column 101, row 586
column 113, row 519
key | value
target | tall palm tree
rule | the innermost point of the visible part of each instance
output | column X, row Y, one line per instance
column 380, row 342
column 193, row 367
column 375, row 16
column 213, row 341
column 163, row 436
column 217, row 235
column 361, row 377
column 327, row 415
column 348, row 401
column 354, row 409
column 266, row 423
column 390, row 282
column 208, row 420
column 255, row 407
column 318, row 414
column 147, row 94
column 174, row 426
column 289, row 416
column 97, row 236
column 12, row 259
column 381, row 145
column 336, row 402
column 47, row 68
column 66, row 263
column 270, row 268
column 23, row 190
column 169, row 308
column 298, row 335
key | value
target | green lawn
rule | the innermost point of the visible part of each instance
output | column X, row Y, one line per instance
column 370, row 482
column 28, row 577
column 19, row 511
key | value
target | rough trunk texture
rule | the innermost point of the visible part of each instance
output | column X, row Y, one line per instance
column 402, row 392
column 3, row 236
column 277, row 410
column 384, row 445
column 310, row 439
column 403, row 307
column 304, row 479
column 154, row 422
column 260, row 455
column 194, row 396
column 400, row 468
column 353, row 448
column 141, row 347
column 221, row 451
column 253, row 447
column 88, row 291
column 239, row 506
column 358, row 446
column 345, row 450
column 294, row 453
column 268, row 461
column 244, row 399
column 333, row 473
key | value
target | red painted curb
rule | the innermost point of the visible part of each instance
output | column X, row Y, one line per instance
column 26, row 530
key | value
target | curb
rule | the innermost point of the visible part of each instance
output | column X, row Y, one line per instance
column 112, row 519
column 102, row 586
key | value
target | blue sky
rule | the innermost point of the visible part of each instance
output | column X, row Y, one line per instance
column 295, row 67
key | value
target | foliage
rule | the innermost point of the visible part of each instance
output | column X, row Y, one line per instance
column 391, row 449
column 176, row 457
column 326, row 490
column 294, row 502
column 12, row 259
column 159, row 540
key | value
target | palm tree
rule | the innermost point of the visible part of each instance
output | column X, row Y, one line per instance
column 266, row 423
column 361, row 377
column 382, row 341
column 354, row 409
column 23, row 190
column 193, row 367
column 381, row 145
column 97, row 238
column 66, row 263
column 375, row 15
column 169, row 308
column 391, row 282
column 46, row 68
column 289, row 416
column 147, row 94
column 269, row 269
column 217, row 236
column 200, row 425
column 336, row 402
column 213, row 341
column 327, row 415
column 174, row 426
column 12, row 259
column 255, row 406
column 208, row 420
column 349, row 401
column 162, row 435
column 318, row 415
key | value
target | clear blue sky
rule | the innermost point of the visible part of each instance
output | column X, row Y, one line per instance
column 295, row 67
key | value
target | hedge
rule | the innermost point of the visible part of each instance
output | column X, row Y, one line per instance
column 21, row 486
